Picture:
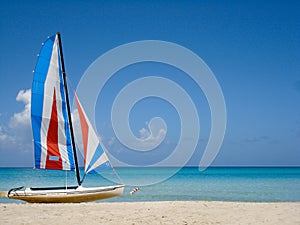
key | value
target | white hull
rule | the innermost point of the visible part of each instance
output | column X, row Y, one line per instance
column 63, row 195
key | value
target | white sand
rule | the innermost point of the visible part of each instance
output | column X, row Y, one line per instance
column 176, row 212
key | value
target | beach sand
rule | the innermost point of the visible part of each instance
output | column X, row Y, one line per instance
column 175, row 212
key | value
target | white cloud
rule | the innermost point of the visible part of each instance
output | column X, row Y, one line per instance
column 16, row 135
column 22, row 118
column 3, row 135
column 24, row 96
column 150, row 140
column 144, row 133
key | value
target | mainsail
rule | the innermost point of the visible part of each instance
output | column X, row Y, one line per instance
column 50, row 121
column 49, row 117
column 94, row 154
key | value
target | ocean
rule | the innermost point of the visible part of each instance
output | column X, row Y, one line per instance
column 249, row 184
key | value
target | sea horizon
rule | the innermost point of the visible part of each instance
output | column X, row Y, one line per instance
column 241, row 184
column 188, row 166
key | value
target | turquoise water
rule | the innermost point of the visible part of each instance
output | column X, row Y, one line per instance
column 188, row 184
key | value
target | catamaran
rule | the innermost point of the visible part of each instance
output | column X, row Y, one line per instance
column 53, row 134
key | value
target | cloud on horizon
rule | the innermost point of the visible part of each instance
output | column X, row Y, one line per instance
column 22, row 118
column 257, row 139
column 16, row 135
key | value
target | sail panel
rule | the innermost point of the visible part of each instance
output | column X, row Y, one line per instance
column 94, row 155
column 99, row 160
column 50, row 123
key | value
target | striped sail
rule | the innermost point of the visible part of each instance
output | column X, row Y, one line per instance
column 94, row 154
column 49, row 118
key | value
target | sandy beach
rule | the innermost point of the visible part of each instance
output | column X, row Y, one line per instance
column 175, row 212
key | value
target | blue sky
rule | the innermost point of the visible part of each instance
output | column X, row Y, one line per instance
column 252, row 47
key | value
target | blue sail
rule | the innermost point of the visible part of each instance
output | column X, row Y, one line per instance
column 49, row 118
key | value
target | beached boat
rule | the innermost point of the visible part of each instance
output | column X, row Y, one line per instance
column 54, row 141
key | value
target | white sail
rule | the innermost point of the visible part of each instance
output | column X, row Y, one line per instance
column 94, row 154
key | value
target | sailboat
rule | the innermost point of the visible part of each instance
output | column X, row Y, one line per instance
column 53, row 134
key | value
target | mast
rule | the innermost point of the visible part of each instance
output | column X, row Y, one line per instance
column 68, row 109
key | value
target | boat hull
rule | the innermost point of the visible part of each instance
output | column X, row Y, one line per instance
column 63, row 195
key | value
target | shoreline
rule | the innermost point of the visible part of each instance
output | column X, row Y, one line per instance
column 20, row 202
column 156, row 212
